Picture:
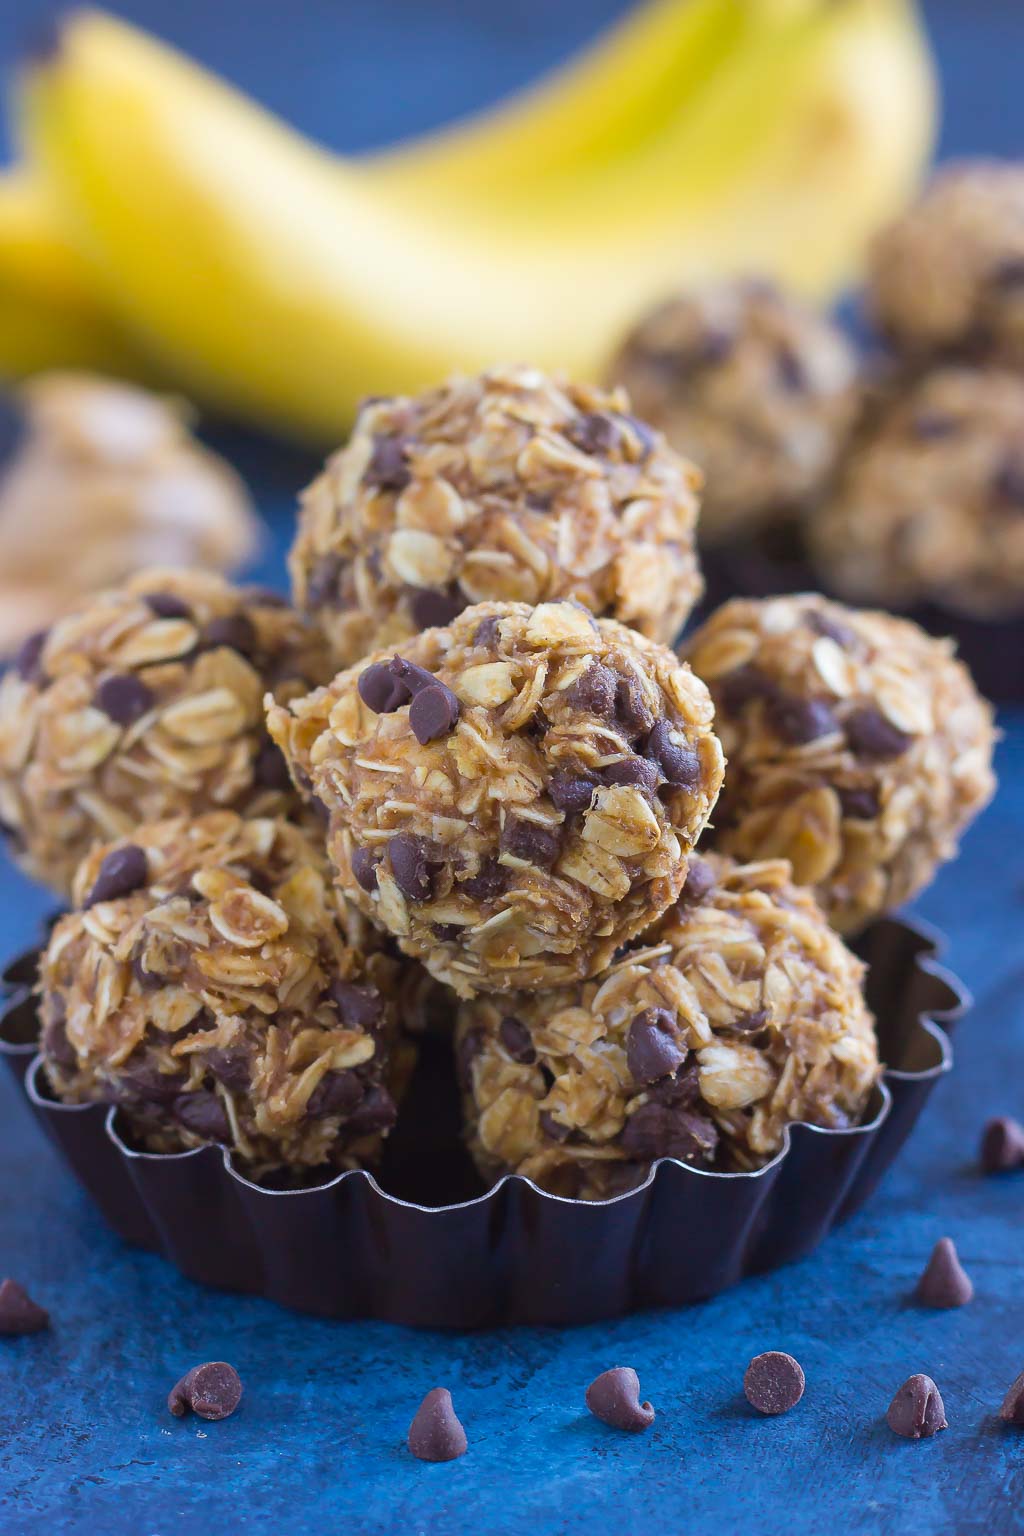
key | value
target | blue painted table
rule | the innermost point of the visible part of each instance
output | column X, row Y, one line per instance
column 85, row 1441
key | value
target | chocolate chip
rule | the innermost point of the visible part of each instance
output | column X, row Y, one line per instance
column 614, row 1398
column 1012, row 1411
column 358, row 1007
column 122, row 871
column 203, row 1114
column 466, row 1052
column 594, row 692
column 269, row 769
column 741, row 687
column 871, row 735
column 594, row 432
column 639, row 772
column 364, row 868
column 414, row 871
column 19, row 1314
column 377, row 1112
column 653, row 1048
column 682, row 1089
column 929, row 426
column 445, row 933
column 700, row 879
column 432, row 608
column 488, row 882
column 644, row 433
column 1002, row 1145
column 322, row 584
column 233, row 632
column 1008, row 482
column 435, row 1434
column 773, row 1382
column 553, row 1129
column 337, row 1093
column 124, row 698
column 799, row 721
column 677, row 761
column 823, row 624
column 167, row 605
column 631, row 708
column 147, row 1084
column 668, row 1130
column 28, row 658
column 387, row 469
column 531, row 842
column 569, row 792
column 749, row 1023
column 858, row 804
column 433, row 713
column 944, row 1282
column 212, row 1391
column 380, row 690
column 54, row 1037
column 917, row 1412
column 486, row 633
column 230, row 1067
column 516, row 1039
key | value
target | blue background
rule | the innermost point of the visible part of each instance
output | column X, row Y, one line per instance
column 85, row 1441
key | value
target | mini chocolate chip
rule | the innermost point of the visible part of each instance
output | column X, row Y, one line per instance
column 531, row 842
column 917, row 1411
column 433, row 713
column 799, row 721
column 553, row 1129
column 167, row 605
column 445, row 933
column 700, row 879
column 322, row 584
column 516, row 1039
column 486, row 633
column 377, row 1112
column 147, row 1084
column 568, row 792
column 54, row 1037
column 123, row 870
column 466, row 1052
column 488, row 882
column 614, row 1398
column 358, row 1007
column 212, row 1391
column 682, row 1089
column 594, row 692
column 124, row 698
column 337, row 1093
column 677, row 761
column 858, row 804
column 1012, row 1411
column 364, row 868
column 269, row 768
column 791, row 370
column 823, row 624
column 741, row 687
column 230, row 1067
column 639, row 772
column 631, row 708
column 773, row 1382
column 1008, row 482
column 944, row 1282
column 415, row 873
column 653, row 1047
column 749, row 1023
column 413, row 678
column 1002, row 1145
column 380, row 690
column 19, row 1314
column 593, row 432
column 669, row 1130
column 234, row 632
column 929, row 426
column 28, row 658
column 435, row 1434
column 431, row 608
column 871, row 735
column 387, row 469
column 203, row 1114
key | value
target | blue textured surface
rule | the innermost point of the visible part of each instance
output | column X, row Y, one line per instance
column 85, row 1441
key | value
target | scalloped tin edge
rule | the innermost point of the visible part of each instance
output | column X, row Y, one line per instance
column 514, row 1254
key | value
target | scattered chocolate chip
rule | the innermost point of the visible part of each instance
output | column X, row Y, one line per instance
column 358, row 1007
column 516, row 1039
column 614, row 1398
column 553, row 1129
column 122, row 871
column 631, row 708
column 929, row 426
column 668, row 1130
column 387, row 469
column 1002, row 1145
column 322, row 584
column 435, row 1434
column 167, row 605
column 269, row 769
column 1012, row 1411
column 486, row 632
column 653, row 1048
column 639, row 772
column 233, row 631
column 28, row 659
column 859, row 804
column 594, row 692
column 231, row 1067
column 677, row 761
column 530, row 841
column 203, row 1114
column 1008, row 482
column 364, row 868
column 376, row 1113
column 337, row 1093
column 823, row 624
column 773, row 1382
column 594, row 432
column 871, row 735
column 799, row 721
column 700, row 879
column 212, row 1391
column 569, row 793
column 433, row 713
column 380, row 690
column 917, row 1412
column 488, row 882
column 414, row 871
column 19, row 1314
column 432, row 608
column 791, row 370
column 944, row 1282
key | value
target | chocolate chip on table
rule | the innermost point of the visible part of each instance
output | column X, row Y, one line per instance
column 799, row 721
column 614, row 1398
column 433, row 713
column 553, row 1129
column 337, row 1093
column 488, row 882
column 123, row 870
column 414, row 871
column 1002, row 1145
column 639, row 772
column 678, row 762
column 700, row 880
column 233, row 631
column 269, row 769
column 944, row 1282
column 859, row 804
column 531, row 842
column 653, row 1048
column 380, row 690
column 167, row 605
column 435, row 1434
column 203, row 1114
column 364, row 868
column 387, row 469
column 322, row 585
column 570, row 792
column 594, row 692
column 212, row 1391
column 668, row 1130
column 1012, row 1411
column 517, row 1040
column 19, row 1314
column 359, row 1007
column 432, row 607
column 773, row 1382
column 917, row 1411
column 872, row 736
column 28, row 658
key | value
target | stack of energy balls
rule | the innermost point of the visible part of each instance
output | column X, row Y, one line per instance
column 497, row 774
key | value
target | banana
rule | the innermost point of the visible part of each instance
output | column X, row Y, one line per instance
column 281, row 284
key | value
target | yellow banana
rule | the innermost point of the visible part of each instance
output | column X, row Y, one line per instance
column 282, row 286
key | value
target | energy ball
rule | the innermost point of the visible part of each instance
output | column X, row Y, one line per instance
column 858, row 747
column 213, row 985
column 739, row 1012
column 144, row 702
column 949, row 275
column 931, row 504
column 507, row 487
column 512, row 796
column 755, row 387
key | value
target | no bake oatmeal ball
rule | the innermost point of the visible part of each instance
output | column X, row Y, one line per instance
column 931, row 503
column 858, row 747
column 757, row 388
column 507, row 487
column 146, row 701
column 737, row 1013
column 212, row 983
column 949, row 275
column 512, row 796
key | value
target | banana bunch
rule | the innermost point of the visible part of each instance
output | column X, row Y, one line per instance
column 174, row 227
